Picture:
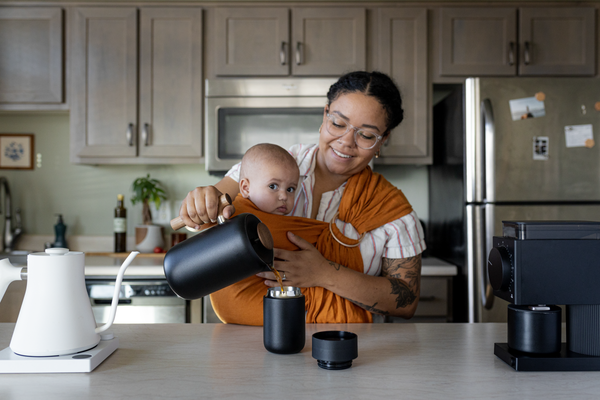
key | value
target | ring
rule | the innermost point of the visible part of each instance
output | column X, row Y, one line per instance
column 283, row 278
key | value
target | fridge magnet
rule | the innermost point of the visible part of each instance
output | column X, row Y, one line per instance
column 577, row 135
column 16, row 151
column 540, row 147
column 597, row 106
column 540, row 96
column 528, row 107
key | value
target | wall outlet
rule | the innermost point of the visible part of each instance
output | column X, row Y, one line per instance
column 162, row 216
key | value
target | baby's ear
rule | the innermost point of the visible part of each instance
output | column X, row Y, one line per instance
column 245, row 188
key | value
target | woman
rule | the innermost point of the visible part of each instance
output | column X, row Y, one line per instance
column 362, row 110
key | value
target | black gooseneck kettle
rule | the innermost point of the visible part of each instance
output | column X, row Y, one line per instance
column 219, row 256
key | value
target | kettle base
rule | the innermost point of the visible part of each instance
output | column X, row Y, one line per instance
column 86, row 361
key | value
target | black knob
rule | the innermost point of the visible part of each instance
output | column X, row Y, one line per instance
column 499, row 268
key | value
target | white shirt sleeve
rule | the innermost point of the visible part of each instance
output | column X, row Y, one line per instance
column 234, row 172
column 405, row 237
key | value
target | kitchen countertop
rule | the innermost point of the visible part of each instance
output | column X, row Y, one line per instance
column 98, row 265
column 407, row 361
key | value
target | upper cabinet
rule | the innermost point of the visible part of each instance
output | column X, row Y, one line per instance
column 557, row 41
column 31, row 58
column 115, row 119
column 402, row 39
column 485, row 41
column 278, row 41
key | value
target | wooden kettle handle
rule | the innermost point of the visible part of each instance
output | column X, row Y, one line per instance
column 224, row 201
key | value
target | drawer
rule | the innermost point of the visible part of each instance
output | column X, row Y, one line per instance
column 433, row 301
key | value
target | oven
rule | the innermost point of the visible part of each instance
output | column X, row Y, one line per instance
column 140, row 302
column 240, row 113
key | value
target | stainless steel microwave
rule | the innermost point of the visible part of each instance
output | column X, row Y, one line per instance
column 240, row 113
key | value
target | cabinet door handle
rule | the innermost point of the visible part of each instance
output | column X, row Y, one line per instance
column 511, row 53
column 129, row 135
column 146, row 134
column 299, row 53
column 283, row 53
column 526, row 53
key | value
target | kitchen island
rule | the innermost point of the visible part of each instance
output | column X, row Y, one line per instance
column 395, row 361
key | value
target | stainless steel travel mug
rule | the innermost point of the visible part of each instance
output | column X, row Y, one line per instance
column 284, row 322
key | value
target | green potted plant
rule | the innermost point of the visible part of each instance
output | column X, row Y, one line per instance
column 148, row 237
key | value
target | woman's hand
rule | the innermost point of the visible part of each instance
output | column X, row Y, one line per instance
column 305, row 267
column 201, row 206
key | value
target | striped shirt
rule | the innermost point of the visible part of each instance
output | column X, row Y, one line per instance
column 401, row 238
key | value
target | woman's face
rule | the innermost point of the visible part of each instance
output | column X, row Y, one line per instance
column 341, row 156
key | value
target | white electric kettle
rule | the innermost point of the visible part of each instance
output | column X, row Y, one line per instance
column 56, row 316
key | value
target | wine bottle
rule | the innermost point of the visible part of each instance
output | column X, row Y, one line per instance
column 120, row 225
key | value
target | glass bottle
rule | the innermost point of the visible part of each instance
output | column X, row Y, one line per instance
column 120, row 225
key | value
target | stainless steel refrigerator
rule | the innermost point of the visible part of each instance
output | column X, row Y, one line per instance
column 508, row 149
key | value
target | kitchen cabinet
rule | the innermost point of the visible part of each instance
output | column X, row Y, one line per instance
column 403, row 53
column 107, row 125
column 278, row 41
column 31, row 61
column 485, row 41
column 557, row 41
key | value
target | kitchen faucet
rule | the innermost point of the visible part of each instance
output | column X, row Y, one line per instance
column 9, row 236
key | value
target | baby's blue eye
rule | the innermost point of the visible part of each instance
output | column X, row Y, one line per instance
column 273, row 186
column 291, row 190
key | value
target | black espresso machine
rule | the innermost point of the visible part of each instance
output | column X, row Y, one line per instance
column 536, row 266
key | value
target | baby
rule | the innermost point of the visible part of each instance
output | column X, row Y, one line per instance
column 269, row 177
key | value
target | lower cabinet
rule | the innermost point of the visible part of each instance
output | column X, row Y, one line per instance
column 126, row 111
column 435, row 304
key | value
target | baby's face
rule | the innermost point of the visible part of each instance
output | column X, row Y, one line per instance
column 273, row 188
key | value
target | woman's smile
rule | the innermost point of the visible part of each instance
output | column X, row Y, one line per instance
column 340, row 155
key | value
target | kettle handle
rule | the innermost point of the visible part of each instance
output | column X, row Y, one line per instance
column 8, row 274
column 115, row 299
column 224, row 201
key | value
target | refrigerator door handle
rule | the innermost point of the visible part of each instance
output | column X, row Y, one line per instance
column 487, row 231
column 480, row 292
column 488, row 127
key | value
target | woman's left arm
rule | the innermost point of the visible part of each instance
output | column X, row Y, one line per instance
column 395, row 293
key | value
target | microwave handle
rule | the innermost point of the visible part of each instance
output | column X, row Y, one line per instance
column 283, row 53
column 299, row 53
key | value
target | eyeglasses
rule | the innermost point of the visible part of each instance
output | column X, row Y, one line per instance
column 338, row 127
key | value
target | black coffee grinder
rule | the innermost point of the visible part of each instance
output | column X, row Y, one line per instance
column 537, row 265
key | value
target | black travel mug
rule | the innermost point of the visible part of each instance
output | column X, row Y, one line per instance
column 284, row 320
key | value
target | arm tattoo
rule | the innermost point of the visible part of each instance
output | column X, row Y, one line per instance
column 404, row 275
column 405, row 295
column 335, row 265
column 369, row 308
column 406, row 269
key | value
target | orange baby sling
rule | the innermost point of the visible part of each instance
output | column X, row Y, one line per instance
column 368, row 202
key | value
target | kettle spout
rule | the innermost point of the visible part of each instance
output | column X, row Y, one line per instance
column 8, row 274
column 115, row 299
